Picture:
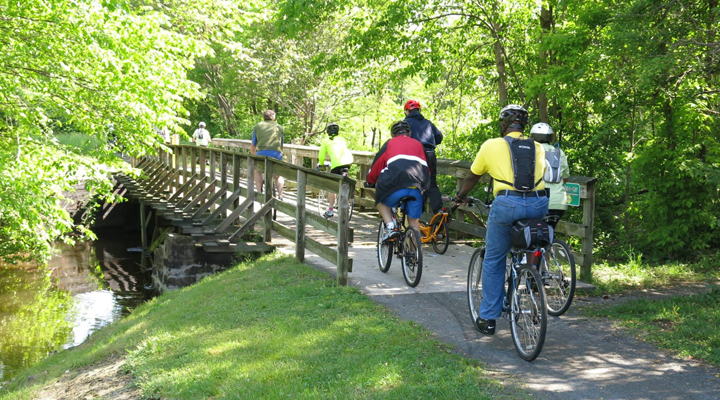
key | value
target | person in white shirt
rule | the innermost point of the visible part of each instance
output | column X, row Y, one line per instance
column 201, row 136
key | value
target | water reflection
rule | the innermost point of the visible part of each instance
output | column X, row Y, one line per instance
column 83, row 288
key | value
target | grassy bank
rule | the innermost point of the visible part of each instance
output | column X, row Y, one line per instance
column 688, row 326
column 272, row 329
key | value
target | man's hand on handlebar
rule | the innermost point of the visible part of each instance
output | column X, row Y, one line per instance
column 368, row 184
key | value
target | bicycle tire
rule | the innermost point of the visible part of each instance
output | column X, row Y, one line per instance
column 441, row 241
column 411, row 257
column 384, row 250
column 350, row 210
column 474, row 284
column 528, row 313
column 560, row 281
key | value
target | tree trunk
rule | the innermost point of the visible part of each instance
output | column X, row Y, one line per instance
column 546, row 25
column 502, row 75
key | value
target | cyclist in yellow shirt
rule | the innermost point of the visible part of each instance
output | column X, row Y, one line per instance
column 335, row 147
column 519, row 193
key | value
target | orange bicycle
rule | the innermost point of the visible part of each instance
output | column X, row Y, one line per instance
column 437, row 232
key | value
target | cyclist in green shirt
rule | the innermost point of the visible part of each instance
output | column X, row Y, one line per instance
column 335, row 147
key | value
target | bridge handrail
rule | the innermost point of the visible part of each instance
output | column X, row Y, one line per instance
column 190, row 160
column 458, row 169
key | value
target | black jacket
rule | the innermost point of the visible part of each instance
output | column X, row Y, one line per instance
column 423, row 130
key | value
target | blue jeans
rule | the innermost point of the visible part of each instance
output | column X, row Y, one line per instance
column 504, row 212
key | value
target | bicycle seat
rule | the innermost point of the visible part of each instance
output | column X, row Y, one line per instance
column 551, row 219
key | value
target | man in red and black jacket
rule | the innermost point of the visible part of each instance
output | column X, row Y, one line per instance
column 400, row 169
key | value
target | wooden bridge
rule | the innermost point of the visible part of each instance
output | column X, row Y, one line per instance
column 209, row 194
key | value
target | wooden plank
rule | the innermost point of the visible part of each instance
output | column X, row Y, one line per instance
column 235, row 214
column 211, row 187
column 571, row 228
column 327, row 182
column 182, row 189
column 242, row 247
column 199, row 185
column 224, row 206
column 264, row 212
column 300, row 217
column 321, row 250
column 205, row 207
column 342, row 237
column 267, row 221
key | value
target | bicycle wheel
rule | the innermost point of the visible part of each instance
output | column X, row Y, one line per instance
column 384, row 250
column 474, row 284
column 528, row 313
column 442, row 239
column 559, row 278
column 411, row 257
column 350, row 210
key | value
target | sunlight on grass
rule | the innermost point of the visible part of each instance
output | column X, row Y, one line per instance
column 279, row 329
column 636, row 274
column 685, row 325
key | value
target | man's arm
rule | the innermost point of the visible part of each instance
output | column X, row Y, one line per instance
column 378, row 164
column 468, row 183
column 438, row 135
column 253, row 146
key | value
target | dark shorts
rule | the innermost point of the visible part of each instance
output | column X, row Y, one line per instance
column 340, row 170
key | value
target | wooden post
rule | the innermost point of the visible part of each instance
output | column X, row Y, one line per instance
column 267, row 218
column 236, row 177
column 251, row 186
column 213, row 164
column 223, row 173
column 186, row 173
column 300, row 216
column 201, row 150
column 143, row 233
column 343, row 264
column 589, row 224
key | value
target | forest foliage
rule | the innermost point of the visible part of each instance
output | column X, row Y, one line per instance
column 631, row 87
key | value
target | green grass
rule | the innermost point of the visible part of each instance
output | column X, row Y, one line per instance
column 635, row 274
column 274, row 329
column 687, row 326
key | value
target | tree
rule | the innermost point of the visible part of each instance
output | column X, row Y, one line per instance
column 89, row 65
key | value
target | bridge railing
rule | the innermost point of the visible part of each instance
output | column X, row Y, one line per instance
column 296, row 154
column 229, row 167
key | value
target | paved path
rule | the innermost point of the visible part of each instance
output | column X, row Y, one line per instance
column 582, row 358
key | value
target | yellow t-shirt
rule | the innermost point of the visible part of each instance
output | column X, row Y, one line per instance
column 494, row 159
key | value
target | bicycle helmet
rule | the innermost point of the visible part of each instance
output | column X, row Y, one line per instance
column 513, row 116
column 332, row 129
column 201, row 124
column 412, row 104
column 400, row 128
column 542, row 133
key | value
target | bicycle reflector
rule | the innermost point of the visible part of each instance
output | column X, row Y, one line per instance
column 538, row 253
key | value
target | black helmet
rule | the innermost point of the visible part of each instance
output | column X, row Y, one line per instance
column 332, row 129
column 513, row 116
column 542, row 133
column 400, row 128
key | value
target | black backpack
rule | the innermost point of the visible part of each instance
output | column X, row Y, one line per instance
column 522, row 157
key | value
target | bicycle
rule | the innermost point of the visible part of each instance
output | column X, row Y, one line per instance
column 322, row 198
column 524, row 302
column 558, row 273
column 407, row 248
column 437, row 232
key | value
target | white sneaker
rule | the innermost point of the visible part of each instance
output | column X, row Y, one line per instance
column 329, row 214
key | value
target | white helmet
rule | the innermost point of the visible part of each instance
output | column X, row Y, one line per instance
column 542, row 133
column 201, row 124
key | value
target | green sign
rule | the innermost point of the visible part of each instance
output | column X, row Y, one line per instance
column 573, row 194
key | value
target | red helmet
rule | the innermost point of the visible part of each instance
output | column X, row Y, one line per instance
column 412, row 104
